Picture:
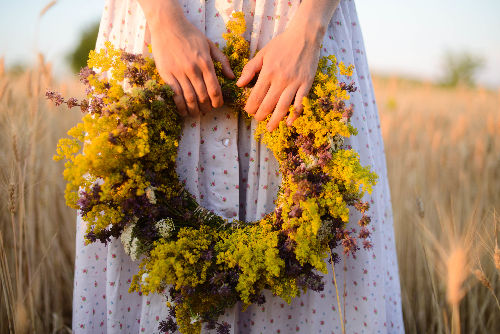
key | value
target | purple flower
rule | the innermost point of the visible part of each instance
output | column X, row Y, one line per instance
column 189, row 290
column 278, row 210
column 135, row 75
column 84, row 202
column 171, row 311
column 234, row 276
column 324, row 157
column 224, row 290
column 339, row 105
column 112, row 138
column 289, row 244
column 178, row 298
column 325, row 103
column 364, row 233
column 96, row 189
column 223, row 328
column 348, row 112
column 84, row 75
column 132, row 58
column 295, row 212
column 261, row 299
column 300, row 170
column 72, row 102
column 365, row 220
column 348, row 87
column 208, row 255
column 91, row 236
column 315, row 282
column 168, row 326
column 362, row 206
column 96, row 104
column 217, row 278
column 306, row 143
column 335, row 257
column 84, row 105
column 55, row 97
column 351, row 88
column 349, row 243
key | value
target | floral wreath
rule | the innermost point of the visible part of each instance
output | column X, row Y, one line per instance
column 121, row 177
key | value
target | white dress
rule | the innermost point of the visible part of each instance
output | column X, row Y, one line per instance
column 231, row 174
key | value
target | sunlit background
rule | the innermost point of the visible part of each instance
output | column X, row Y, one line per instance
column 436, row 74
column 401, row 37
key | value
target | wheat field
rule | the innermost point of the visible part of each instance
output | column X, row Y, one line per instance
column 443, row 155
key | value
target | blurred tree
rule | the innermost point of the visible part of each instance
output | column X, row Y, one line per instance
column 461, row 68
column 17, row 69
column 78, row 58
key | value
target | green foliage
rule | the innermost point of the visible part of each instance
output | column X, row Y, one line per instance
column 460, row 68
column 17, row 69
column 78, row 57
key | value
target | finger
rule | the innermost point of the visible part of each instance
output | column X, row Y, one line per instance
column 257, row 95
column 267, row 105
column 178, row 96
column 218, row 55
column 189, row 95
column 212, row 84
column 200, row 89
column 284, row 102
column 301, row 93
column 250, row 69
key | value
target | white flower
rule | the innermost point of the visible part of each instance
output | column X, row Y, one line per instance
column 336, row 143
column 311, row 162
column 150, row 194
column 131, row 245
column 143, row 278
column 165, row 227
column 195, row 318
column 135, row 248
column 126, row 237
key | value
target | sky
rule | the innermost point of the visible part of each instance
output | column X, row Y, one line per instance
column 411, row 37
column 401, row 37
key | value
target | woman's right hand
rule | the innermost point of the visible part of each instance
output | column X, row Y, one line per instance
column 183, row 57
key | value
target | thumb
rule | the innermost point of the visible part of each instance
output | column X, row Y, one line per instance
column 250, row 69
column 217, row 54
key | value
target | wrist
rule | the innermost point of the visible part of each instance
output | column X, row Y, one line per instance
column 162, row 15
column 312, row 18
column 311, row 30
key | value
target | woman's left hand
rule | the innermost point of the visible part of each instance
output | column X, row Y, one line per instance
column 287, row 66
